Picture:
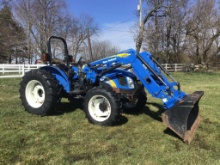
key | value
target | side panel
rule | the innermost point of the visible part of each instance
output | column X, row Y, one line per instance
column 60, row 76
column 120, row 79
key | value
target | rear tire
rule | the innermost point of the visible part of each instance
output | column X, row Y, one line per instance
column 101, row 106
column 137, row 105
column 39, row 92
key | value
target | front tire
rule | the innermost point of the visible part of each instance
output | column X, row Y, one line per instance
column 39, row 92
column 101, row 106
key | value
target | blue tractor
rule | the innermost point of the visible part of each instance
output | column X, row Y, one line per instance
column 108, row 87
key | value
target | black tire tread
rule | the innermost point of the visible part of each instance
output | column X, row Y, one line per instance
column 142, row 99
column 51, row 91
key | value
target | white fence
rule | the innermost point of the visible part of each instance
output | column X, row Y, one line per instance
column 18, row 70
column 174, row 67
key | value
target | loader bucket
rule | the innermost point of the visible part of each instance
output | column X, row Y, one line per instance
column 183, row 118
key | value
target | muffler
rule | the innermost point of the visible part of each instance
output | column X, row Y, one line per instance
column 183, row 118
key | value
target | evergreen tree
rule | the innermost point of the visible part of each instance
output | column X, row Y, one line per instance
column 12, row 37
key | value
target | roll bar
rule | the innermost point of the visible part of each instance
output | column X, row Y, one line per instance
column 65, row 48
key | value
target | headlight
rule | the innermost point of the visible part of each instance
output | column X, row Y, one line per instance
column 130, row 82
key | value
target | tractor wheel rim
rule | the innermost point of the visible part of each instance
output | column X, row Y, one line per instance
column 99, row 108
column 35, row 94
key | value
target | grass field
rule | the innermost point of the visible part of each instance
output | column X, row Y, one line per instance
column 68, row 138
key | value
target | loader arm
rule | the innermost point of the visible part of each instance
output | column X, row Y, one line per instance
column 148, row 71
column 182, row 110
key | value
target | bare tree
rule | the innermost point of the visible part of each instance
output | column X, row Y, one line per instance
column 41, row 19
column 175, row 31
column 185, row 30
column 153, row 7
column 203, row 31
column 78, row 32
column 103, row 49
column 164, row 35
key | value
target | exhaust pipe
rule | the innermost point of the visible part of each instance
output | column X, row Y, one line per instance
column 183, row 118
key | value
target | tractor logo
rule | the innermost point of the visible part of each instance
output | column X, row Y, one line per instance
column 123, row 55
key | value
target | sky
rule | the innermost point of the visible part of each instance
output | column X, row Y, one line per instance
column 115, row 19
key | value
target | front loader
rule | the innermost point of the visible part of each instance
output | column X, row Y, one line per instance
column 110, row 86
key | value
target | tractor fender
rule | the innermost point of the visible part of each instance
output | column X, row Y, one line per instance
column 60, row 76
